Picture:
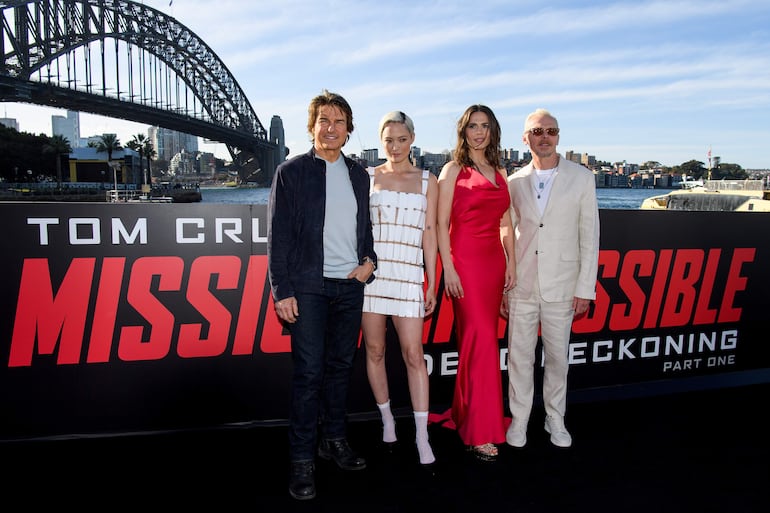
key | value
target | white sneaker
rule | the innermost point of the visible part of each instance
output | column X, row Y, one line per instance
column 516, row 435
column 560, row 437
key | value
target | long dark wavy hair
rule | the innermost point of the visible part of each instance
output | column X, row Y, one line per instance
column 462, row 150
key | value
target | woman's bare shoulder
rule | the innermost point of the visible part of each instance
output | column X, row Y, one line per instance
column 449, row 170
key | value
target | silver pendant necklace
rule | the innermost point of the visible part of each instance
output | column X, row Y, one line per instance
column 541, row 184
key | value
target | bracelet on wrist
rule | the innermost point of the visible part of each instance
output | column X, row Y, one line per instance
column 369, row 260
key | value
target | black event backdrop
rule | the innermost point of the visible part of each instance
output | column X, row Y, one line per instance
column 119, row 318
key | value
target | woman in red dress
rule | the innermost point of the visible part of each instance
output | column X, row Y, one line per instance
column 475, row 239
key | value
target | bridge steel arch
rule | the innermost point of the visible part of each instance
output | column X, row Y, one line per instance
column 122, row 59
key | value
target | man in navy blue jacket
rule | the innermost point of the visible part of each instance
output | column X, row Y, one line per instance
column 320, row 254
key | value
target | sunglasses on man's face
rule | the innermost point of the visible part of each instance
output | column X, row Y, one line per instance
column 540, row 131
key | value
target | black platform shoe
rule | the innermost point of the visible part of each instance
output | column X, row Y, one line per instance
column 429, row 470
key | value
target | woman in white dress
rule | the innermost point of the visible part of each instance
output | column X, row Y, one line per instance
column 403, row 202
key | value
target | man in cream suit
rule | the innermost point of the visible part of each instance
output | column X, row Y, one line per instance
column 556, row 223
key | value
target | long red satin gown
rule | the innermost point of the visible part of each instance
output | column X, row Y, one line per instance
column 479, row 258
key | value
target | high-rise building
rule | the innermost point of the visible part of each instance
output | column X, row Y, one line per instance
column 67, row 127
column 277, row 137
column 588, row 160
column 414, row 155
column 370, row 155
column 10, row 123
column 168, row 143
column 510, row 154
column 573, row 156
column 433, row 162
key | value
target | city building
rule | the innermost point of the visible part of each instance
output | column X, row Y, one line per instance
column 588, row 160
column 184, row 163
column 371, row 156
column 278, row 138
column 415, row 153
column 510, row 155
column 433, row 162
column 10, row 123
column 207, row 165
column 68, row 127
column 88, row 165
column 168, row 143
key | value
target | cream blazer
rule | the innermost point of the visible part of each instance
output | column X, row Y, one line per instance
column 561, row 247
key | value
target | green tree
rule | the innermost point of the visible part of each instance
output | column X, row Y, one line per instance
column 58, row 145
column 21, row 153
column 726, row 171
column 149, row 154
column 109, row 143
column 137, row 143
column 692, row 168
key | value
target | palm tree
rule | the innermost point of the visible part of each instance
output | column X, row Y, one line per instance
column 149, row 154
column 58, row 145
column 109, row 143
column 137, row 143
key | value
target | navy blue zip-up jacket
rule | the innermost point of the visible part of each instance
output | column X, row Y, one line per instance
column 295, row 223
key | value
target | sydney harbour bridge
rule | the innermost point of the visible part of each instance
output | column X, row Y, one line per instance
column 122, row 59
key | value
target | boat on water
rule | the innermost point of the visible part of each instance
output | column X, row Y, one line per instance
column 713, row 195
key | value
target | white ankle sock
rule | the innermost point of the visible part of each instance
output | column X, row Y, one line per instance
column 421, row 438
column 388, row 422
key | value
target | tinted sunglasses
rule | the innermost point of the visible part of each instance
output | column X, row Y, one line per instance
column 540, row 131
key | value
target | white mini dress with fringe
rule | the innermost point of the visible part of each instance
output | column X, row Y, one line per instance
column 398, row 221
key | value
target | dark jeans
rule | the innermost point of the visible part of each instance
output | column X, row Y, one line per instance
column 323, row 345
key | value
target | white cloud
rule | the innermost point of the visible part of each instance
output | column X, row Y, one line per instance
column 628, row 80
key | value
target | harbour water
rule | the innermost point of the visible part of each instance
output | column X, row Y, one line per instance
column 625, row 199
column 609, row 198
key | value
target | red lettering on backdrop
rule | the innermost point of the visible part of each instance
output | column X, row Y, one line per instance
column 131, row 346
column 227, row 270
column 426, row 326
column 106, row 310
column 704, row 314
column 685, row 297
column 443, row 317
column 444, row 320
column 628, row 316
column 680, row 296
column 40, row 313
column 272, row 339
column 594, row 320
column 251, row 309
column 658, row 288
column 48, row 319
column 735, row 283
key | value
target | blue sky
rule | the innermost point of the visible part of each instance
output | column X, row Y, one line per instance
column 628, row 80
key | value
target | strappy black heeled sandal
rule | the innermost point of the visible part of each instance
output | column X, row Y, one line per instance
column 485, row 452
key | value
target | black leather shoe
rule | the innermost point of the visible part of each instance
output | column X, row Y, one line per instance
column 302, row 480
column 341, row 453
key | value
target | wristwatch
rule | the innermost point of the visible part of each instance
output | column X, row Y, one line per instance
column 368, row 259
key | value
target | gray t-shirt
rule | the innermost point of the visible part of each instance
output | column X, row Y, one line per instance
column 340, row 257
